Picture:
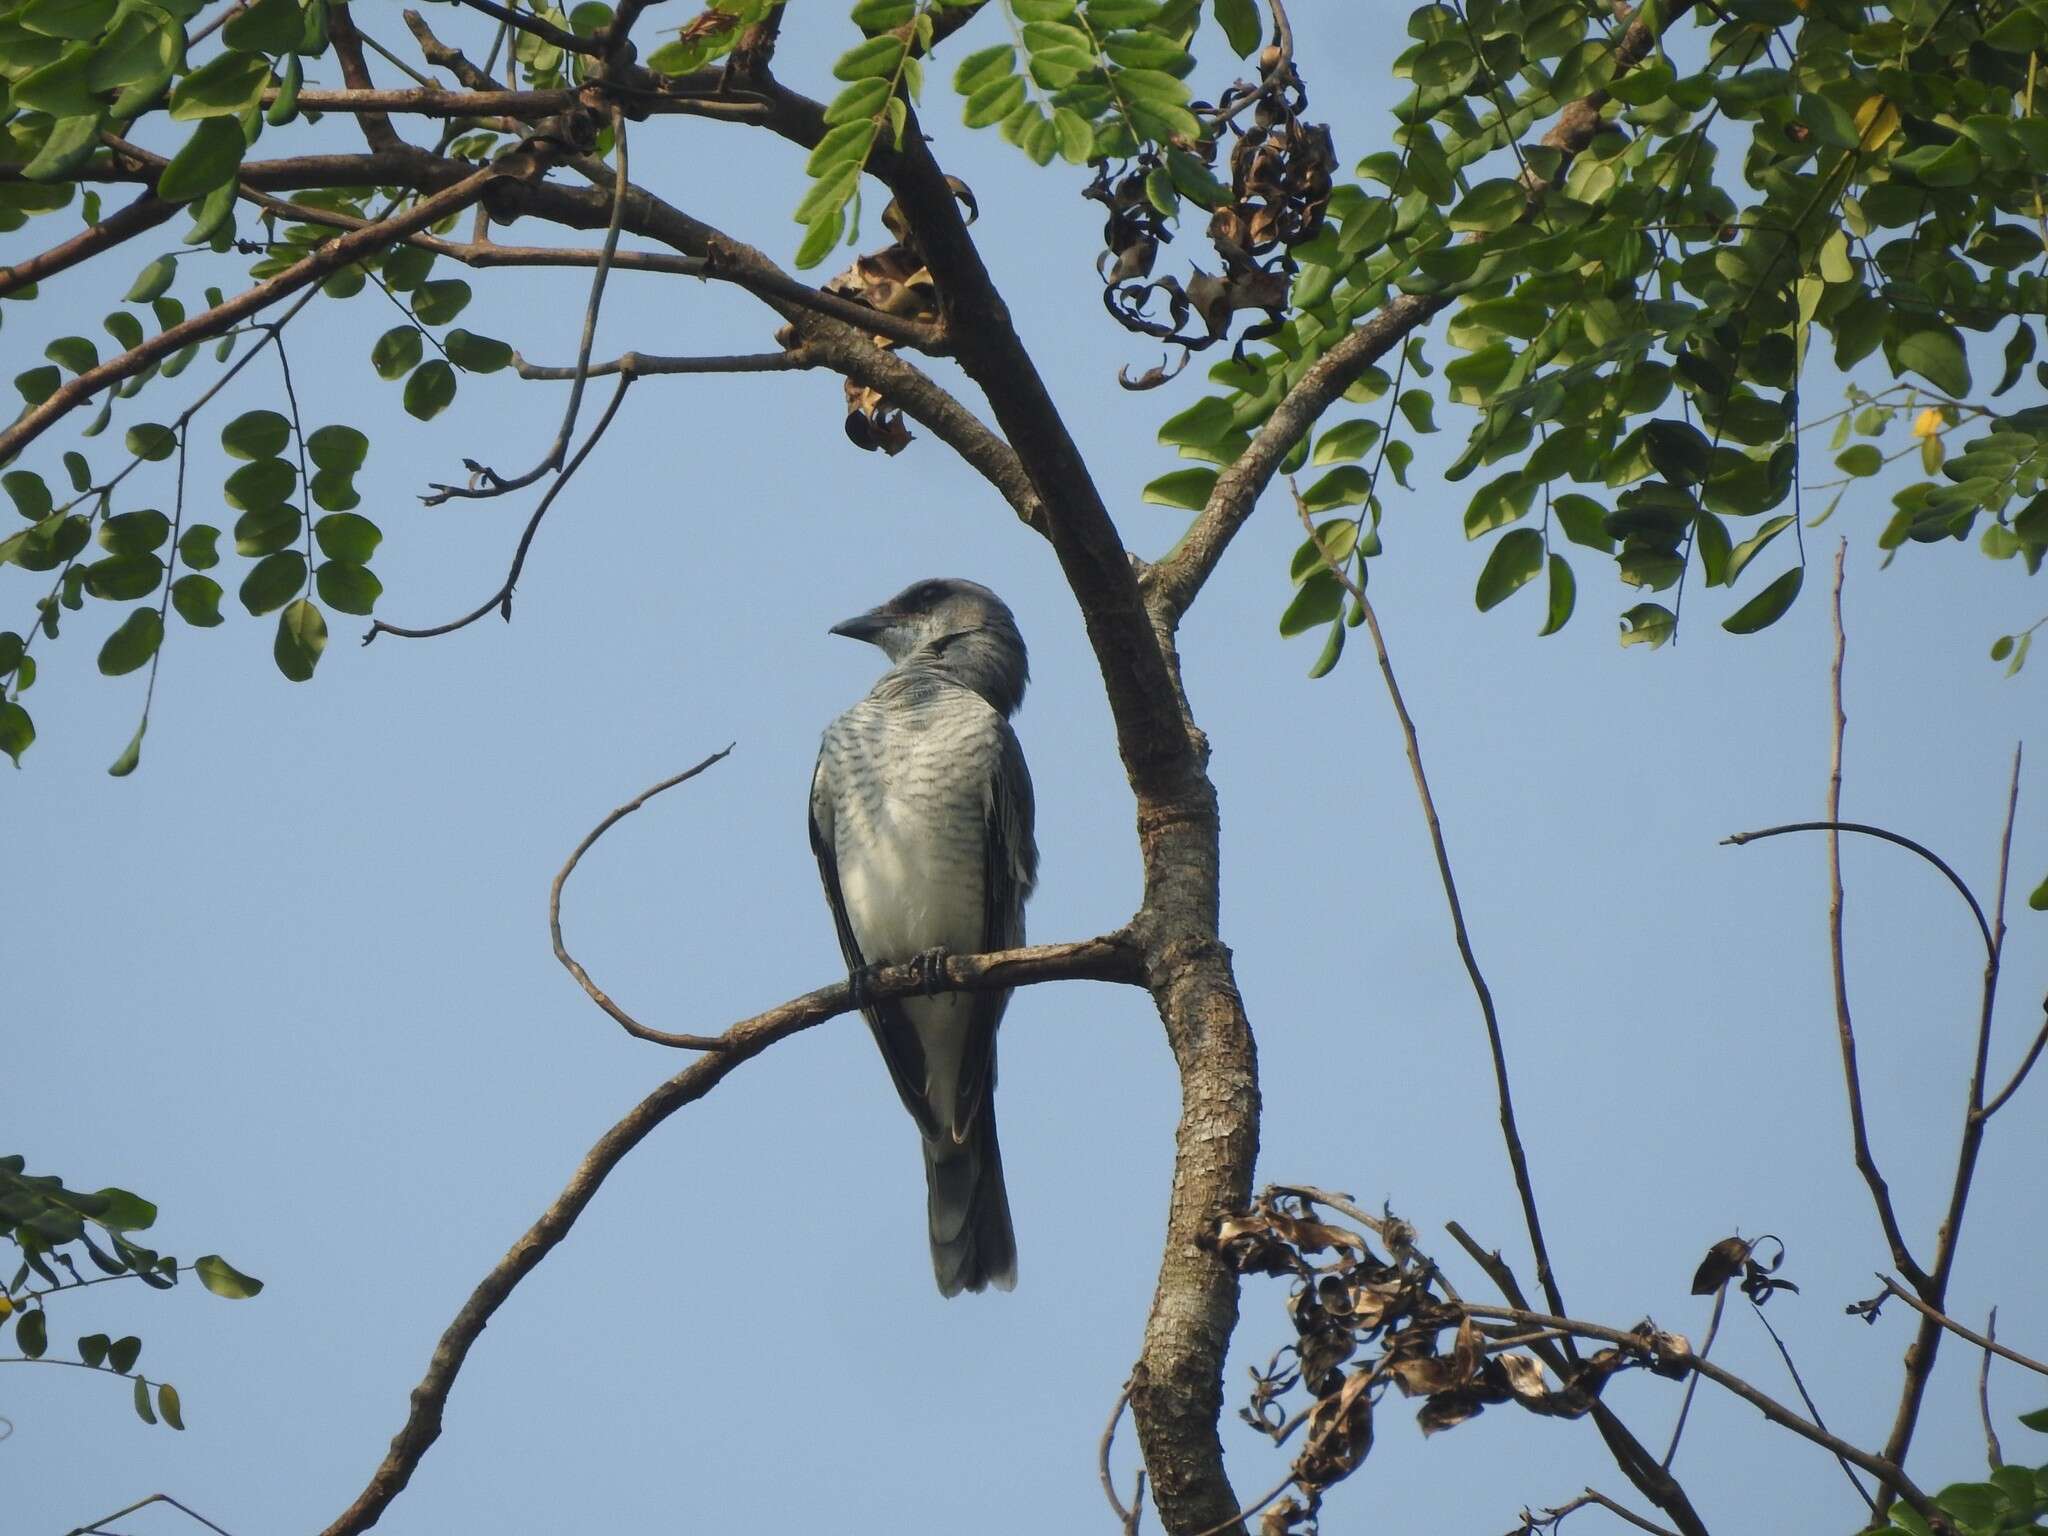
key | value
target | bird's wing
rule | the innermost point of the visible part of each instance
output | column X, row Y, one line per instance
column 1009, row 870
column 893, row 1032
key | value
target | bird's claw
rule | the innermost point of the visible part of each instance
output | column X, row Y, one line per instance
column 930, row 967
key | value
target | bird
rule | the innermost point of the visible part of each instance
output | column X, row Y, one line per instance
column 921, row 818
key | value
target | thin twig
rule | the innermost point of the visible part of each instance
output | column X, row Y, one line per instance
column 492, row 483
column 1553, row 1517
column 1113, row 957
column 596, row 994
column 1806, row 1397
column 1517, row 1158
column 154, row 1498
column 1997, row 1101
column 1845, row 1029
column 1738, row 839
column 1692, row 1382
column 1885, row 1471
column 1992, row 1450
column 526, row 21
column 1252, row 1508
column 502, row 598
column 1982, row 1341
column 1127, row 1518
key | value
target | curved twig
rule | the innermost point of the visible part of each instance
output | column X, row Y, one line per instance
column 596, row 993
column 502, row 598
column 1738, row 839
column 1997, row 1100
column 1127, row 1518
column 1110, row 958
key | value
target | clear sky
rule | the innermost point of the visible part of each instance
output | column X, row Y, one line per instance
column 292, row 978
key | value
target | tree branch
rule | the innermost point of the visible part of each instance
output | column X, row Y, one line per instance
column 348, row 49
column 1845, row 1029
column 1984, row 1342
column 145, row 213
column 329, row 258
column 1738, row 839
column 645, row 364
column 1109, row 958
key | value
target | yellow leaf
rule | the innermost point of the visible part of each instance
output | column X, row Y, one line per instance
column 1928, row 423
column 1876, row 121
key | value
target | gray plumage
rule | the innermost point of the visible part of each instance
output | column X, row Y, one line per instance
column 921, row 819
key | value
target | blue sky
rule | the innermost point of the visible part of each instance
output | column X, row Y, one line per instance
column 292, row 979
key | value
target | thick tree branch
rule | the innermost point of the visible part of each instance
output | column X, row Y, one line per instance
column 348, row 49
column 647, row 364
column 328, row 258
column 145, row 213
column 1110, row 958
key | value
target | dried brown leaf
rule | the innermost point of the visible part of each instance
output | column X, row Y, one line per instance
column 1723, row 1263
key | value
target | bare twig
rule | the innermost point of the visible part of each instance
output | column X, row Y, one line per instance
column 1885, row 1471
column 154, row 1498
column 1252, row 1508
column 1997, row 1101
column 1738, row 839
column 502, row 598
column 327, row 259
column 1110, row 958
column 1592, row 1496
column 1806, row 1397
column 1845, row 1029
column 1692, row 1382
column 1127, row 1518
column 492, row 484
column 1517, row 1158
column 526, row 21
column 1983, row 1341
column 1992, row 1450
column 596, row 994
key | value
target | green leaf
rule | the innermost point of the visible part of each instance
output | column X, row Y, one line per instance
column 75, row 353
column 862, row 99
column 1319, row 599
column 345, row 536
column 1563, row 595
column 268, row 26
column 130, row 646
column 32, row 1333
column 256, row 435
column 430, row 389
column 17, row 730
column 1514, row 562
column 348, row 587
column 196, row 546
column 1768, row 606
column 151, row 440
column 1936, row 354
column 60, row 87
column 397, row 352
column 79, row 19
column 261, row 485
column 197, row 599
column 25, row 488
column 301, row 637
column 1187, row 489
column 876, row 56
column 131, row 755
column 407, row 267
column 438, row 302
column 134, row 533
column 142, row 1408
column 1346, row 440
column 1346, row 485
column 981, row 66
column 477, row 354
column 1489, row 206
column 1075, row 134
column 209, row 159
column 92, row 1349
column 1860, row 459
column 68, row 144
column 225, row 86
column 820, row 236
column 2038, row 900
column 274, row 581
column 992, row 102
column 1648, row 624
column 1239, row 20
column 37, row 384
column 2038, row 1419
column 167, row 1404
column 122, row 578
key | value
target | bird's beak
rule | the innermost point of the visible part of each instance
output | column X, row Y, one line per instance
column 867, row 626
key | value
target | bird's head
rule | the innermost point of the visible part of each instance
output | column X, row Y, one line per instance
column 955, row 626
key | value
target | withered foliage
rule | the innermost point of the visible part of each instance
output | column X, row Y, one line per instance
column 894, row 281
column 1734, row 1256
column 1366, row 1322
column 1281, row 171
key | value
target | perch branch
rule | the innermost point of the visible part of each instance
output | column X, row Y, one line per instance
column 1109, row 958
column 1985, row 1342
column 146, row 212
column 645, row 364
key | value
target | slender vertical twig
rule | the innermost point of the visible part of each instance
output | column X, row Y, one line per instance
column 1692, row 1382
column 1866, row 1163
column 1812, row 1407
column 1993, row 1452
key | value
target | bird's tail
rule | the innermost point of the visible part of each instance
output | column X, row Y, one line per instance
column 973, row 1245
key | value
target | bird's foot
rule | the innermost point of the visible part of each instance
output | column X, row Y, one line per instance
column 930, row 966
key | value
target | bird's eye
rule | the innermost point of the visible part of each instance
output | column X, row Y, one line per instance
column 926, row 594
